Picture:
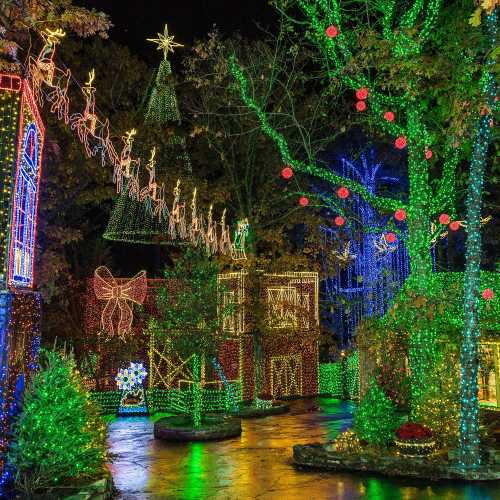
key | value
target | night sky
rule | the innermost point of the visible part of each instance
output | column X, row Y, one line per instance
column 186, row 19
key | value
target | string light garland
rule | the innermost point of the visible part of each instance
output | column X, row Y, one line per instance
column 303, row 201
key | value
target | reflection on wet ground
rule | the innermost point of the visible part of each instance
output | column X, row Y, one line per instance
column 258, row 465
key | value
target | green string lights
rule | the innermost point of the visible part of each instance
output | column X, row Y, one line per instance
column 399, row 116
column 469, row 409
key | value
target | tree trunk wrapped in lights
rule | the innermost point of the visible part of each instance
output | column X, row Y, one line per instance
column 469, row 410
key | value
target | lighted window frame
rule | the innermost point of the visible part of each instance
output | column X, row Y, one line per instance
column 25, row 196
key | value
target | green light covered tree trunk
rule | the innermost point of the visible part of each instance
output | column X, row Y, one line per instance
column 469, row 409
column 197, row 392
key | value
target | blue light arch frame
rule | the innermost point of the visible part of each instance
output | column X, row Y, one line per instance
column 25, row 195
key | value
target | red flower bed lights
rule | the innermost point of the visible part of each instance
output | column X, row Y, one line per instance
column 414, row 440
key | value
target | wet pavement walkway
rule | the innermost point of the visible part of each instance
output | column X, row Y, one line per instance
column 258, row 465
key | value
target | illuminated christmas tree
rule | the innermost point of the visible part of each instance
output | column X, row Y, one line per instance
column 59, row 434
column 375, row 420
column 131, row 220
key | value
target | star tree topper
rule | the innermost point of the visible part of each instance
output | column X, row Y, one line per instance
column 165, row 42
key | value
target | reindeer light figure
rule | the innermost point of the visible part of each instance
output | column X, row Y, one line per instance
column 43, row 70
column 177, row 217
column 225, row 244
column 196, row 229
column 211, row 242
column 126, row 167
column 86, row 123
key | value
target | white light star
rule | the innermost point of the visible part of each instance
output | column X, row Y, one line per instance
column 165, row 42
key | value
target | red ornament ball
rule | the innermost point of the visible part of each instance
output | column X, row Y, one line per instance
column 488, row 294
column 332, row 31
column 390, row 237
column 400, row 142
column 389, row 116
column 339, row 220
column 361, row 105
column 303, row 201
column 444, row 219
column 428, row 154
column 400, row 214
column 362, row 93
column 287, row 173
column 454, row 226
column 343, row 192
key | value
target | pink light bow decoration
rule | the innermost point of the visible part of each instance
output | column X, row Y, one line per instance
column 106, row 287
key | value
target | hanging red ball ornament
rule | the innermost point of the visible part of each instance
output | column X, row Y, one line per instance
column 400, row 142
column 428, row 154
column 454, row 226
column 361, row 105
column 303, row 201
column 390, row 237
column 400, row 214
column 287, row 173
column 339, row 220
column 332, row 31
column 343, row 192
column 444, row 219
column 389, row 116
column 362, row 93
column 488, row 294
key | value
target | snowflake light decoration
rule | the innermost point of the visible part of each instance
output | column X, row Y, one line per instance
column 139, row 372
column 125, row 380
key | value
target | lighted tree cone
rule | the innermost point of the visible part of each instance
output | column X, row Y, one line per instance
column 469, row 409
column 162, row 106
column 131, row 222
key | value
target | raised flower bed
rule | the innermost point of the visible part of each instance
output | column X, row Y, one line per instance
column 414, row 440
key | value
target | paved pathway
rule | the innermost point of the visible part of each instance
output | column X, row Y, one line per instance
column 258, row 464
